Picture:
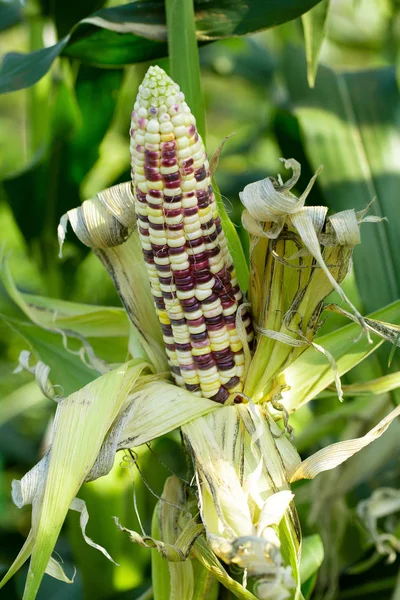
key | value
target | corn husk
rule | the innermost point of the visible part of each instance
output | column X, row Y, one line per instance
column 104, row 224
column 298, row 256
column 90, row 426
column 184, row 565
column 245, row 499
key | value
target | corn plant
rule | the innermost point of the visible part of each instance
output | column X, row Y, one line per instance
column 224, row 369
column 217, row 344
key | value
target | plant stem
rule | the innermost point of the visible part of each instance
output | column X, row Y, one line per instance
column 185, row 70
column 184, row 56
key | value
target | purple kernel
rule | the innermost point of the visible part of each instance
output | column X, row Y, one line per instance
column 199, row 337
column 221, row 395
column 156, row 226
column 172, row 199
column 169, row 177
column 168, row 155
column 155, row 193
column 172, row 212
column 171, row 185
column 191, row 130
column 226, row 365
column 166, row 146
column 177, row 322
column 188, row 303
column 182, row 282
column 197, row 258
column 187, row 163
column 176, row 227
column 215, row 327
column 199, row 266
column 222, row 354
column 168, row 162
column 197, row 242
column 191, row 367
column 176, row 251
column 166, row 281
column 182, row 273
column 232, row 382
column 183, row 347
column 151, row 154
column 211, row 298
column 218, row 320
column 196, row 322
column 189, row 212
column 200, row 174
column 154, row 177
column 187, row 170
column 191, row 387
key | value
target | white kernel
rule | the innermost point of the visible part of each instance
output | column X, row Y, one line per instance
column 166, row 127
column 193, row 227
column 177, row 260
column 152, row 138
column 173, row 220
column 200, row 294
column 230, row 310
column 173, row 192
column 178, row 120
column 197, row 250
column 187, row 294
column 182, row 142
column 143, row 187
column 180, row 130
column 153, row 126
column 189, row 202
column 196, row 314
column 188, row 185
column 142, row 112
column 176, row 242
column 191, row 219
column 181, row 266
column 214, row 312
column 184, row 153
column 197, row 328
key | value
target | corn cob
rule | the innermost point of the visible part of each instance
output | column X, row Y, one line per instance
column 191, row 272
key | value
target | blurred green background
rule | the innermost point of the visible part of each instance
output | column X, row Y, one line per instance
column 65, row 138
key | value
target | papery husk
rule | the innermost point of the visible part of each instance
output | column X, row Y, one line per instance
column 184, row 566
column 298, row 257
column 90, row 426
column 241, row 462
column 311, row 373
column 106, row 224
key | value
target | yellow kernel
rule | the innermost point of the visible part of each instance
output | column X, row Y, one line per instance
column 201, row 351
column 167, row 137
column 236, row 346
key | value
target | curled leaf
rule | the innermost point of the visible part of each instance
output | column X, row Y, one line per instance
column 335, row 454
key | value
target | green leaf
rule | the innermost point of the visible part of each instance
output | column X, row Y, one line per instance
column 311, row 372
column 23, row 70
column 184, row 56
column 312, row 555
column 66, row 14
column 314, row 25
column 350, row 124
column 10, row 13
column 66, row 368
column 98, row 39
